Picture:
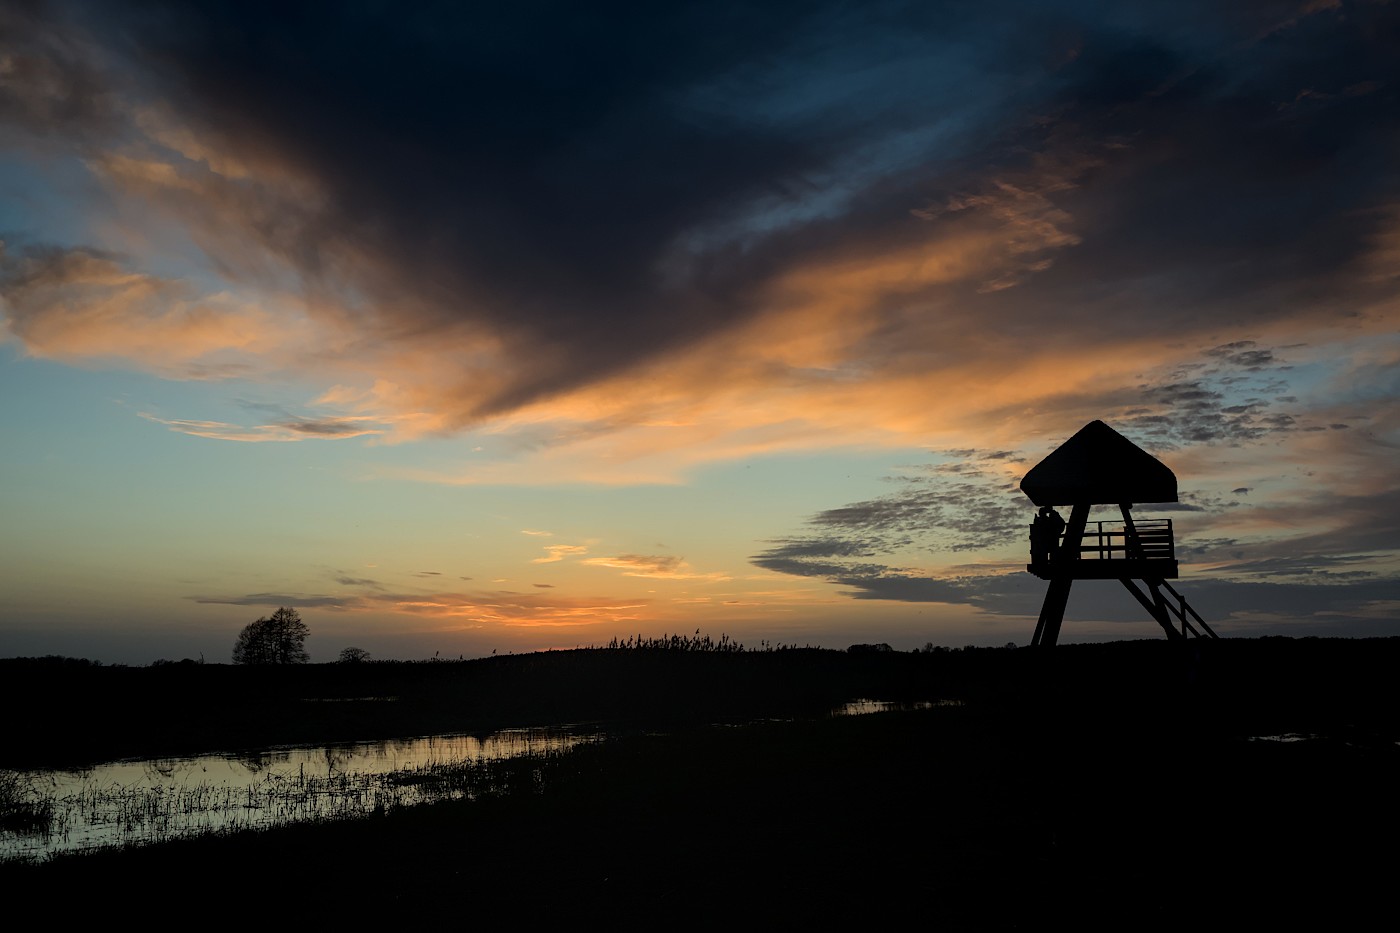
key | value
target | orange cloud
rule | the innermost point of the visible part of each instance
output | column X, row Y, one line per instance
column 664, row 567
column 558, row 552
column 514, row 610
column 78, row 305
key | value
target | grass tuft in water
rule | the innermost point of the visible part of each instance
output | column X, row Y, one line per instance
column 22, row 810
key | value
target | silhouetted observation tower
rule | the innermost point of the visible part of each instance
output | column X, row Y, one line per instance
column 1099, row 466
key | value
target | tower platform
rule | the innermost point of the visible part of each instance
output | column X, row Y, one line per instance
column 1113, row 550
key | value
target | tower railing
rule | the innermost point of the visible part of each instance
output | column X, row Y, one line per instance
column 1110, row 550
column 1145, row 539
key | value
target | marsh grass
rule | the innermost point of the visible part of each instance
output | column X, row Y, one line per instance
column 112, row 813
column 39, row 824
column 23, row 811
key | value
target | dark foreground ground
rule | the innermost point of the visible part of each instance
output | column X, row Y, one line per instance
column 1117, row 786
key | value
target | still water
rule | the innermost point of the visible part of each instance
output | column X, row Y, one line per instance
column 151, row 800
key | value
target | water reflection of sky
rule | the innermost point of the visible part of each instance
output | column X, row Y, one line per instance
column 238, row 769
column 151, row 800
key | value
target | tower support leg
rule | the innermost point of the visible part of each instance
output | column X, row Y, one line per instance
column 1052, row 612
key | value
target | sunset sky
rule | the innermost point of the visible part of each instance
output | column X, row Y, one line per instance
column 465, row 328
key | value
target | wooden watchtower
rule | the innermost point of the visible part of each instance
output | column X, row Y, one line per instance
column 1099, row 466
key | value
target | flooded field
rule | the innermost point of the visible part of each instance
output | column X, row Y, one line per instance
column 150, row 800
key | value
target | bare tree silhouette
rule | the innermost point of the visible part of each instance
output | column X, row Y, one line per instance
column 278, row 640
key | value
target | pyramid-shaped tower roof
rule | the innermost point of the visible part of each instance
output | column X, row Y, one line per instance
column 1099, row 466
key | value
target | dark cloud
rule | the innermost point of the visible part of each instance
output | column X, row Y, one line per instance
column 278, row 599
column 1221, row 177
column 1356, row 525
column 952, row 505
column 53, row 84
column 902, row 587
column 527, row 170
column 1191, row 501
column 1198, row 548
column 1324, row 567
column 1318, row 602
column 346, row 580
column 803, row 548
column 777, row 560
column 594, row 190
column 325, row 427
column 1243, row 353
column 1339, row 606
column 1359, row 607
column 1229, row 397
column 959, row 515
